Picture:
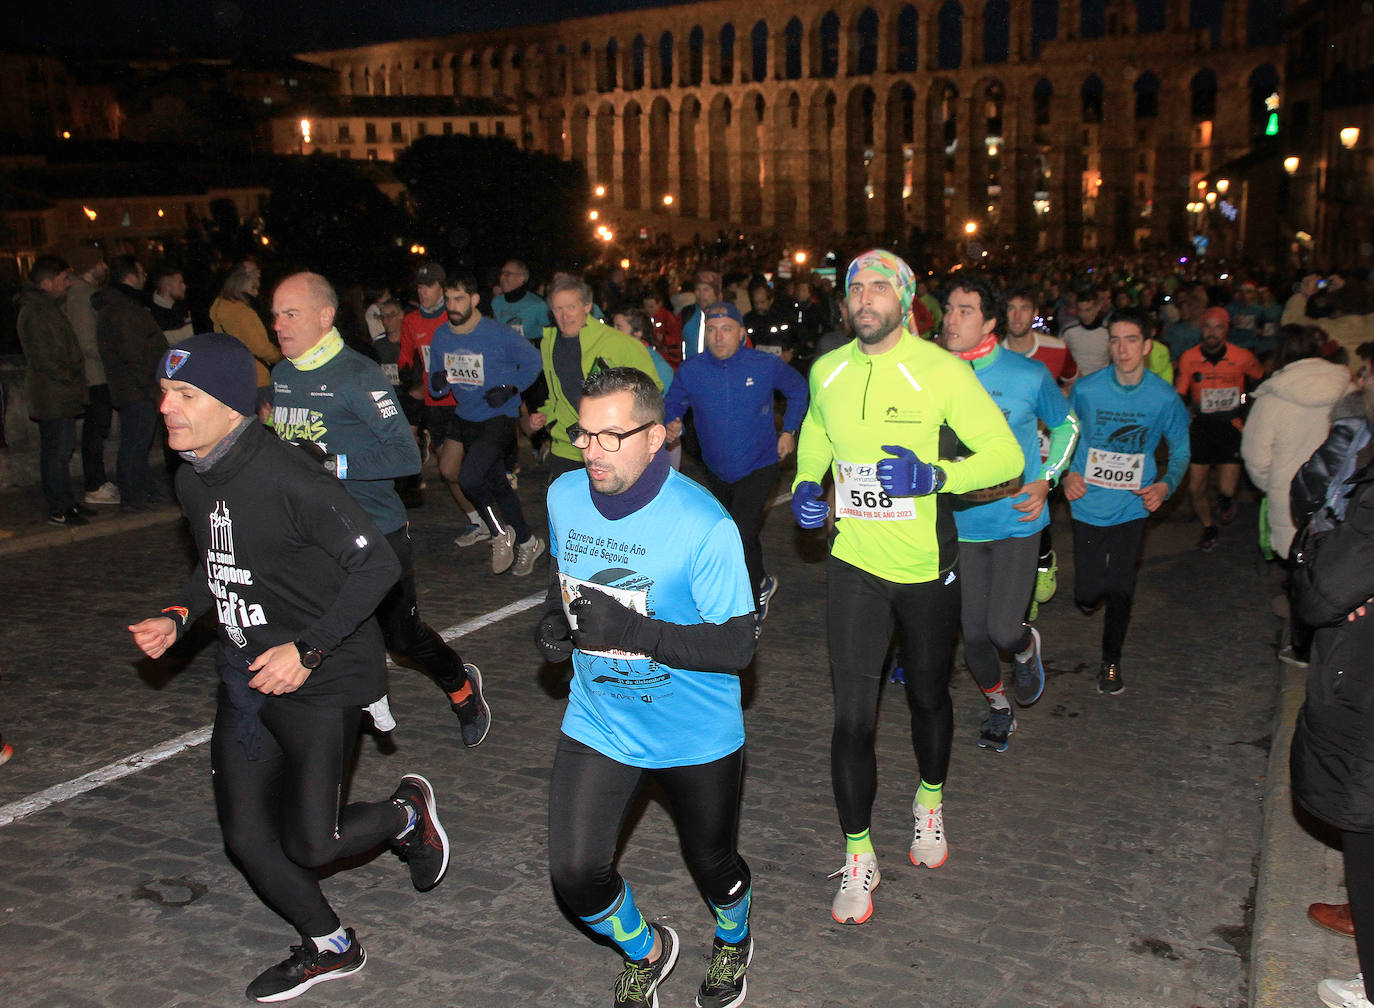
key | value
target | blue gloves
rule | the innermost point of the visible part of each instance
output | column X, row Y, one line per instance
column 906, row 475
column 807, row 506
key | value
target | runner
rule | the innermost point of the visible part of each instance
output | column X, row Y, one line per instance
column 1113, row 485
column 999, row 528
column 649, row 570
column 878, row 405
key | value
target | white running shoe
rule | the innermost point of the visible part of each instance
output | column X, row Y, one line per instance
column 503, row 551
column 526, row 553
column 475, row 532
column 1344, row 993
column 853, row 904
column 106, row 493
column 928, row 845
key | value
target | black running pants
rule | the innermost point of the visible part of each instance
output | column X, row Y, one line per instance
column 1105, row 561
column 408, row 635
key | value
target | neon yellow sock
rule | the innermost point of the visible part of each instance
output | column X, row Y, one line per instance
column 858, row 843
column 930, row 795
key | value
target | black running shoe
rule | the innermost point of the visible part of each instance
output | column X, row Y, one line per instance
column 474, row 715
column 425, row 848
column 1211, row 535
column 725, row 985
column 305, row 969
column 1109, row 679
column 995, row 731
column 638, row 982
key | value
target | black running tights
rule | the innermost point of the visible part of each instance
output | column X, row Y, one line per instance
column 1105, row 561
column 861, row 610
column 280, row 813
column 589, row 796
column 1359, row 884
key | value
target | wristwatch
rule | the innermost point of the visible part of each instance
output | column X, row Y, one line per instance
column 311, row 657
column 939, row 479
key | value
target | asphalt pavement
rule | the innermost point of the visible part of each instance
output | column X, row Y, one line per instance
column 1137, row 851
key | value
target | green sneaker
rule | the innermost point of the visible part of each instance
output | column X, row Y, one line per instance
column 725, row 985
column 1047, row 579
column 638, row 981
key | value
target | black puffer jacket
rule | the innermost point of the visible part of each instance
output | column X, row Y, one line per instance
column 1332, row 758
column 1334, row 460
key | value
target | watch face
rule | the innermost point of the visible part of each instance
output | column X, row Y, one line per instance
column 310, row 657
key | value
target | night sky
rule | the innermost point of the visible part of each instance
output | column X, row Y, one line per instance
column 235, row 27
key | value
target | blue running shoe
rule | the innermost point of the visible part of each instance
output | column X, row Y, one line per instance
column 1029, row 676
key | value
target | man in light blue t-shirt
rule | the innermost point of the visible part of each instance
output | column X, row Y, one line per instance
column 649, row 596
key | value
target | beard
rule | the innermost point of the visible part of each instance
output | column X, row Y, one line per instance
column 876, row 329
column 459, row 318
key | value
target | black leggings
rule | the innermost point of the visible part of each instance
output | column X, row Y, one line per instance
column 1359, row 885
column 483, row 473
column 1105, row 561
column 280, row 813
column 860, row 612
column 408, row 635
column 747, row 501
column 588, row 798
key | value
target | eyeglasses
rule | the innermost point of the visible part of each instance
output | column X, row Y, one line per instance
column 608, row 440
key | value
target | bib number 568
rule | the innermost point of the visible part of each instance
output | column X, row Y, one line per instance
column 869, row 499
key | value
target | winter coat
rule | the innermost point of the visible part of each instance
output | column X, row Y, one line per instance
column 1319, row 490
column 55, row 372
column 239, row 320
column 1289, row 420
column 131, row 345
column 1332, row 759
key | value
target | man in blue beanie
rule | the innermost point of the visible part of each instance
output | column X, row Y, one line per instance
column 293, row 568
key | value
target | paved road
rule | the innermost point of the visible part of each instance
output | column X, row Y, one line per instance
column 1108, row 858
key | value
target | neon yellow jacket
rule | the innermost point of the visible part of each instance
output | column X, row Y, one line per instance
column 860, row 402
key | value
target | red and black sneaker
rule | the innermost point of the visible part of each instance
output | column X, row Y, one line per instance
column 424, row 848
column 305, row 969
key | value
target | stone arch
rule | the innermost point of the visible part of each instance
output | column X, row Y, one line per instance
column 536, row 72
column 688, row 164
column 1042, row 97
column 664, row 77
column 631, row 161
column 820, row 126
column 758, row 51
column 793, row 36
column 790, row 160
column 996, row 31
column 899, row 182
column 750, row 117
column 1092, row 98
column 608, row 66
column 988, row 179
column 1044, row 23
column 723, row 66
column 660, row 113
column 826, row 56
column 942, row 139
column 556, row 132
column 907, row 58
column 580, row 137
column 1203, row 95
column 634, row 80
column 694, row 58
column 863, row 54
column 1146, row 88
column 581, row 66
column 950, row 39
column 859, row 136
column 718, row 167
column 1092, row 18
column 558, row 71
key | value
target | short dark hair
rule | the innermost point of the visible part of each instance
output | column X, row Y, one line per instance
column 648, row 399
column 1022, row 292
column 640, row 323
column 122, row 266
column 1298, row 342
column 48, row 267
column 166, row 270
column 463, row 281
column 989, row 301
column 1138, row 317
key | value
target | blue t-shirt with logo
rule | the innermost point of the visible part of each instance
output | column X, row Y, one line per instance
column 677, row 559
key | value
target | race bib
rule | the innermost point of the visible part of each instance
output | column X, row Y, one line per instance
column 1115, row 470
column 392, row 372
column 776, row 351
column 464, row 369
column 570, row 588
column 859, row 495
column 1219, row 400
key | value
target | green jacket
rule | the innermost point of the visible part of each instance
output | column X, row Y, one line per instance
column 55, row 370
column 599, row 341
column 907, row 396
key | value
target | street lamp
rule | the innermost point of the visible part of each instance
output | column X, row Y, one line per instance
column 799, row 258
column 1290, row 164
column 971, row 228
column 667, row 199
column 593, row 215
column 600, row 191
column 1223, row 185
column 1350, row 136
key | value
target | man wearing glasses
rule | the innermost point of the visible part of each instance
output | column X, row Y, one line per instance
column 575, row 348
column 657, row 625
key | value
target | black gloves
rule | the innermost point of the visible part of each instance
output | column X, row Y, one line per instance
column 499, row 395
column 554, row 637
column 603, row 624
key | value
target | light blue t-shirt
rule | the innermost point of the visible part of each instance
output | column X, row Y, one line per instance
column 1122, row 427
column 1026, row 392
column 677, row 559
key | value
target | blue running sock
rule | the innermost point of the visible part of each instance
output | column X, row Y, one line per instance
column 732, row 921
column 623, row 924
column 336, row 942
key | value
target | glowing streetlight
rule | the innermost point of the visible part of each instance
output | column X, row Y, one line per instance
column 593, row 215
column 799, row 258
column 1350, row 136
column 624, row 264
column 600, row 191
column 90, row 214
column 971, row 228
column 1290, row 164
column 1211, row 198
column 66, row 134
column 305, row 131
column 1223, row 185
column 417, row 249
column 667, row 199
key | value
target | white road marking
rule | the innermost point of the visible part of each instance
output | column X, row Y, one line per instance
column 166, row 750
